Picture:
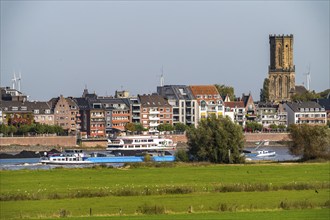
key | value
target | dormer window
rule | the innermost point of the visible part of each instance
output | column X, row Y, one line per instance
column 23, row 108
column 36, row 111
column 14, row 108
column 47, row 111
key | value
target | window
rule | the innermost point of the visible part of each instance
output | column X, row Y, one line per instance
column 36, row 111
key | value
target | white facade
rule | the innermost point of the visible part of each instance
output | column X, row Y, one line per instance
column 302, row 113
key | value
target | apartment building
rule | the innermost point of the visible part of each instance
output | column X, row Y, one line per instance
column 26, row 112
column 267, row 114
column 309, row 112
column 135, row 108
column 250, row 107
column 66, row 113
column 236, row 112
column 183, row 102
column 155, row 110
column 117, row 113
column 209, row 101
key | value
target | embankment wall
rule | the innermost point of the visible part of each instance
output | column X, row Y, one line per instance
column 64, row 141
column 70, row 141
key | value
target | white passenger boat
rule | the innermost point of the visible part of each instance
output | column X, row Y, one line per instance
column 140, row 143
column 68, row 157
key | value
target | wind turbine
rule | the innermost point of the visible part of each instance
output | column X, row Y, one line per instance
column 308, row 77
column 162, row 81
column 14, row 80
column 19, row 81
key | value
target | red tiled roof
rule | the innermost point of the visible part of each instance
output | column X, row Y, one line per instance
column 238, row 104
column 204, row 90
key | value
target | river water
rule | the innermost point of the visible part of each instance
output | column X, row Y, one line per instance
column 282, row 154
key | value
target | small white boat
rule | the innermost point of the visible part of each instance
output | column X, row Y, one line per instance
column 68, row 157
column 140, row 143
column 265, row 153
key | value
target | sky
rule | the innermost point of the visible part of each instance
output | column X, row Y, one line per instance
column 62, row 47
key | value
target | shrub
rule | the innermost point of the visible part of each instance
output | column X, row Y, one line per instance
column 181, row 155
column 151, row 209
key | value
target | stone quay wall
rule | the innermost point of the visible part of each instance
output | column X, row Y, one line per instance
column 63, row 141
column 70, row 141
column 249, row 137
column 254, row 137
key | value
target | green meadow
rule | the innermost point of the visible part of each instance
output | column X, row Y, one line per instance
column 169, row 191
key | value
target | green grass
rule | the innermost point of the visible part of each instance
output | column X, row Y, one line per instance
column 307, row 214
column 171, row 190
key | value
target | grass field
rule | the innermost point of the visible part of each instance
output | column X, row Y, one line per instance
column 178, row 192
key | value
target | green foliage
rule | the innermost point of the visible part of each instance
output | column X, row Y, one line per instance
column 226, row 90
column 139, row 127
column 306, row 96
column 253, row 126
column 180, row 127
column 273, row 126
column 147, row 158
column 264, row 92
column 165, row 127
column 324, row 94
column 130, row 127
column 310, row 142
column 216, row 140
column 24, row 129
column 181, row 155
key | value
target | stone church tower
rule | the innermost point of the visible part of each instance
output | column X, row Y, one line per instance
column 281, row 71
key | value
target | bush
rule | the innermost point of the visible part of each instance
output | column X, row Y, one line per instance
column 181, row 155
column 151, row 209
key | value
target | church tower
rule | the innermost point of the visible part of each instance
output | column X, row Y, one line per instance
column 281, row 71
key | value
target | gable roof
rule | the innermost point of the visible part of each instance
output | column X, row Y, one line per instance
column 296, row 106
column 325, row 103
column 204, row 90
column 235, row 104
column 153, row 101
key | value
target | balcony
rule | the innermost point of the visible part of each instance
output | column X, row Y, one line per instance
column 154, row 112
column 153, row 124
column 154, row 118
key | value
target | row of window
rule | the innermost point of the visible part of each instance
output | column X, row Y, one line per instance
column 157, row 109
column 310, row 115
column 208, row 96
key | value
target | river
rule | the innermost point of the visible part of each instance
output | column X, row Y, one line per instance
column 282, row 154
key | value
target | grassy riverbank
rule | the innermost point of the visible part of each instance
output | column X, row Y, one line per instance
column 175, row 190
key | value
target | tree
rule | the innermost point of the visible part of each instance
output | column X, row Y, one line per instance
column 310, row 142
column 181, row 155
column 139, row 127
column 180, row 127
column 165, row 127
column 306, row 96
column 264, row 92
column 216, row 140
column 324, row 94
column 130, row 127
column 226, row 90
column 253, row 126
column 4, row 129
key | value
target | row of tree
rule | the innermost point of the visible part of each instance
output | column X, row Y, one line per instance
column 26, row 129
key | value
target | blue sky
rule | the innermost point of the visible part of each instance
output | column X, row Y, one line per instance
column 60, row 47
